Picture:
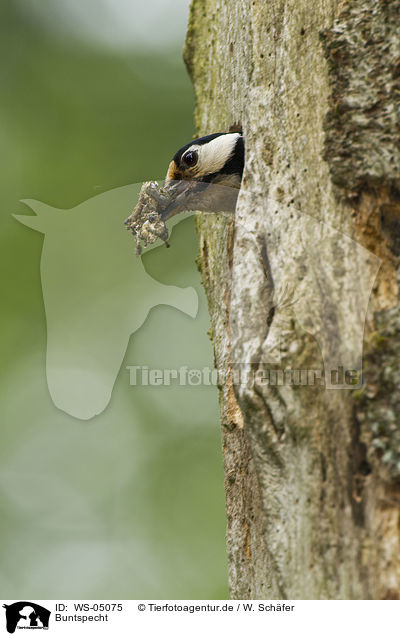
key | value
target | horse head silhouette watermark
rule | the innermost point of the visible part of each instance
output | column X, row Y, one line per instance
column 97, row 293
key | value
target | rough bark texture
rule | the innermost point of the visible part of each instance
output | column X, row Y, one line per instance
column 312, row 473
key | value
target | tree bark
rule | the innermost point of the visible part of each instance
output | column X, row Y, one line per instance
column 307, row 267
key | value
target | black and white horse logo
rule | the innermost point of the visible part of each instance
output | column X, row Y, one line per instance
column 26, row 615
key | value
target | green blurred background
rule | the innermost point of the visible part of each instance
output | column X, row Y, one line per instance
column 130, row 504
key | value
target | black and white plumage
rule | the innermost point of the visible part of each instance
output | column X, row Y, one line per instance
column 206, row 174
column 216, row 158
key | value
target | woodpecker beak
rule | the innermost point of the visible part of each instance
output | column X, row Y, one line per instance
column 184, row 195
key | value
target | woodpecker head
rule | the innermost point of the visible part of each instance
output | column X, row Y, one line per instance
column 201, row 165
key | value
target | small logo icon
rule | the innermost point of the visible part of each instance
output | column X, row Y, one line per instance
column 26, row 615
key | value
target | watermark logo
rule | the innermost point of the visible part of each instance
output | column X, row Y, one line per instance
column 142, row 375
column 97, row 293
column 26, row 615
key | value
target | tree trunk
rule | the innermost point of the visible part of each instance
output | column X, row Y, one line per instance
column 303, row 277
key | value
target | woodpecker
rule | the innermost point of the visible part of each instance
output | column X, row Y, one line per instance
column 206, row 174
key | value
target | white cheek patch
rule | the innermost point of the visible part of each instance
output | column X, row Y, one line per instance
column 214, row 155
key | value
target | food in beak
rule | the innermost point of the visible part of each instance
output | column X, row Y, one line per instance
column 146, row 221
column 158, row 203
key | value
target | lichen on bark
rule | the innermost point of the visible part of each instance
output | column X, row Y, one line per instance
column 378, row 402
column 363, row 121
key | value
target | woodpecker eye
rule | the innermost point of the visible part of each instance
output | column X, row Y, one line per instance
column 191, row 158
